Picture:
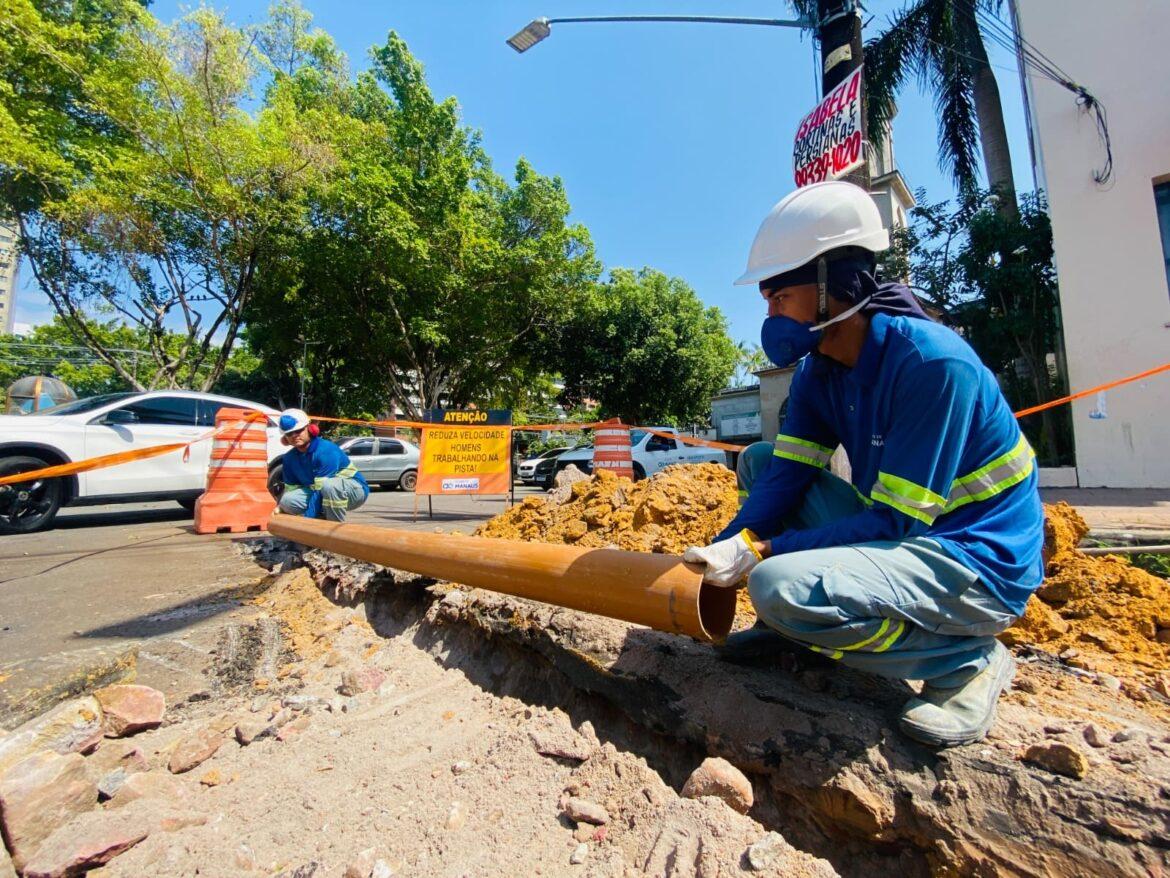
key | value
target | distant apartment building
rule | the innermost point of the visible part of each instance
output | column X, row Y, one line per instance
column 1111, row 237
column 9, row 266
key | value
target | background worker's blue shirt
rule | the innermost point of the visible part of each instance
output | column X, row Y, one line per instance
column 935, row 451
column 307, row 469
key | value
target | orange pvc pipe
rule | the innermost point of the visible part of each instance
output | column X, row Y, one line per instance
column 659, row 591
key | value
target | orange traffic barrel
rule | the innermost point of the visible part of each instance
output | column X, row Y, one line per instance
column 237, row 497
column 611, row 449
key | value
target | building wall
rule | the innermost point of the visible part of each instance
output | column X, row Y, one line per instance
column 9, row 265
column 1115, row 301
column 735, row 415
column 774, row 387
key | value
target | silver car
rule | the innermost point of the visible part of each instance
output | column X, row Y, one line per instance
column 383, row 461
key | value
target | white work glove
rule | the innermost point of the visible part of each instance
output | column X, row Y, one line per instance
column 728, row 561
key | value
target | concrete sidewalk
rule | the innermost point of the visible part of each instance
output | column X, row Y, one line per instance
column 1144, row 512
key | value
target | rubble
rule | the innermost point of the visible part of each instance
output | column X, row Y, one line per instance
column 71, row 727
column 39, row 794
column 584, row 811
column 719, row 778
column 194, row 750
column 86, row 843
column 127, row 709
column 1058, row 757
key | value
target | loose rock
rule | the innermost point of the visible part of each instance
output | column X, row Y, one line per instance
column 584, row 811
column 457, row 816
column 249, row 730
column 382, row 869
column 194, row 750
column 86, row 843
column 766, row 852
column 127, row 709
column 365, row 679
column 1095, row 736
column 1059, row 758
column 579, row 854
column 39, row 794
column 72, row 727
column 362, row 865
column 149, row 785
column 718, row 777
column 1128, row 735
column 109, row 785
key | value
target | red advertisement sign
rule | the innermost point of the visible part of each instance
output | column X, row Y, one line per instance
column 828, row 141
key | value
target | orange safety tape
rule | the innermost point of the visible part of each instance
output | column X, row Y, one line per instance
column 1055, row 402
column 120, row 457
column 105, row 460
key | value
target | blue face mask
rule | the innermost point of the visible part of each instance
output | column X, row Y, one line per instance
column 785, row 340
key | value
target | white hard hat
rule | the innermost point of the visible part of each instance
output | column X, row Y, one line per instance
column 811, row 221
column 292, row 420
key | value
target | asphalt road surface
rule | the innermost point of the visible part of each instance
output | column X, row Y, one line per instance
column 108, row 579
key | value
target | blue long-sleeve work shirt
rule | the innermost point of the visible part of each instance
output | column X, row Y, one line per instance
column 935, row 451
column 309, row 469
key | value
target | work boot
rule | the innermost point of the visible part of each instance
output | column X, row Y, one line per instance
column 761, row 643
column 947, row 717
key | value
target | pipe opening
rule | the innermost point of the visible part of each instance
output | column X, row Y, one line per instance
column 716, row 610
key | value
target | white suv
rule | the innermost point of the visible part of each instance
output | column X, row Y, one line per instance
column 106, row 424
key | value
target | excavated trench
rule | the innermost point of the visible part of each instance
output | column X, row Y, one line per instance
column 829, row 773
column 525, row 663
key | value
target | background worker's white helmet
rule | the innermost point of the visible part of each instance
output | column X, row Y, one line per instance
column 811, row 221
column 292, row 420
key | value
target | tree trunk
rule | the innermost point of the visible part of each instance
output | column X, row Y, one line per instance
column 997, row 159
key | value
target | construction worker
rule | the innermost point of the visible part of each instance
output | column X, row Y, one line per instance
column 910, row 571
column 319, row 480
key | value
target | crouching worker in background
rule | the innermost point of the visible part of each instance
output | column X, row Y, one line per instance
column 911, row 570
column 319, row 480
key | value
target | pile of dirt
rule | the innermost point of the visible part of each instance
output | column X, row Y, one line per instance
column 1095, row 604
column 684, row 505
column 307, row 618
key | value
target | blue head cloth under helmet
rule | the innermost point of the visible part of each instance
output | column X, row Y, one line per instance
column 848, row 278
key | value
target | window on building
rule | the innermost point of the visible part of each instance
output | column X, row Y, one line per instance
column 1162, row 200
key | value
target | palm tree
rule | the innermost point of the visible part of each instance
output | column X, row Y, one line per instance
column 941, row 44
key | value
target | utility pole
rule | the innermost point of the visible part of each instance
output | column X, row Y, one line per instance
column 839, row 33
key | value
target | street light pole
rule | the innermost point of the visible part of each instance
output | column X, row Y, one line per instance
column 540, row 28
column 842, row 52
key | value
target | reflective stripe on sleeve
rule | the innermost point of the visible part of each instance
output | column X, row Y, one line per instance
column 801, row 450
column 318, row 484
column 348, row 473
column 995, row 477
column 908, row 498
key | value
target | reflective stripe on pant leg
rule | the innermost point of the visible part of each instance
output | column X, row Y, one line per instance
column 825, row 600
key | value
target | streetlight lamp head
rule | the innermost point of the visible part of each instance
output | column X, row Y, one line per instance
column 535, row 31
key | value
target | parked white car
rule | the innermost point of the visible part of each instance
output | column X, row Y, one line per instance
column 107, row 424
column 651, row 454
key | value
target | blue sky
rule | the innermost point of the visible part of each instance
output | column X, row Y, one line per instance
column 673, row 140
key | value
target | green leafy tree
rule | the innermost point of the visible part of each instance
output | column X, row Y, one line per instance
column 644, row 346
column 1007, row 308
column 142, row 186
column 424, row 278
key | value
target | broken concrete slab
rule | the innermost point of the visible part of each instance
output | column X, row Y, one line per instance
column 86, row 843
column 39, row 794
column 30, row 688
column 72, row 727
